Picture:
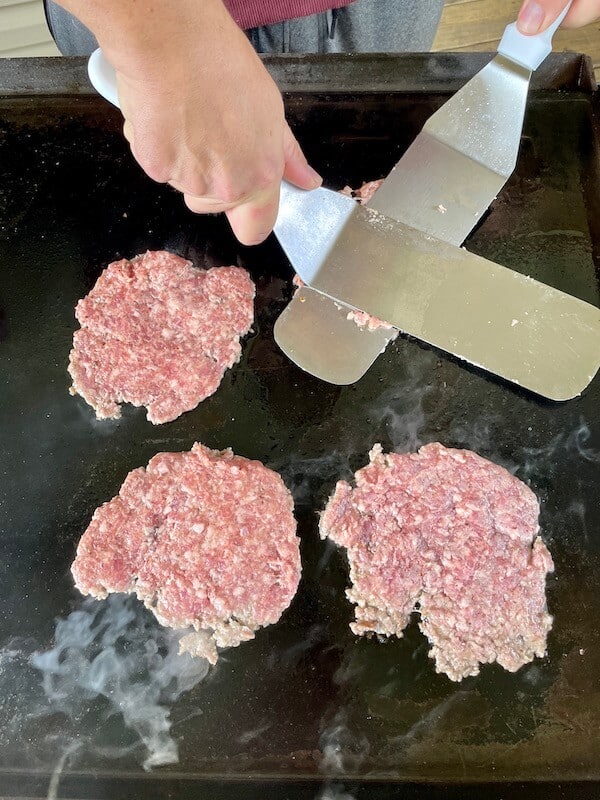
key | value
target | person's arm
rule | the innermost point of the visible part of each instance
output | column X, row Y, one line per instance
column 536, row 15
column 201, row 112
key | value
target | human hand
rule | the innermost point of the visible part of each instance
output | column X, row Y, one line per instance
column 535, row 15
column 201, row 112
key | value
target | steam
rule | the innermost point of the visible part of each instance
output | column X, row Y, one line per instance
column 334, row 792
column 114, row 651
column 305, row 476
column 398, row 411
column 574, row 443
column 343, row 751
column 479, row 435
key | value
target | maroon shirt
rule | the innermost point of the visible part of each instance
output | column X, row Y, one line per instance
column 252, row 13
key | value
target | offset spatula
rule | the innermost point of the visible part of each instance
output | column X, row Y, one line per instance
column 442, row 185
column 507, row 323
column 526, row 332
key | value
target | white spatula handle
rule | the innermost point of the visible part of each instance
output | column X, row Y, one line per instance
column 103, row 77
column 529, row 51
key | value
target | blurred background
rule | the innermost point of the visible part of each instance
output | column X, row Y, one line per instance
column 466, row 25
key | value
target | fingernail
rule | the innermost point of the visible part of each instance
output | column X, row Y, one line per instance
column 531, row 17
column 315, row 178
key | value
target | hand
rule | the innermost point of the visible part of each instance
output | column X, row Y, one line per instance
column 536, row 15
column 201, row 112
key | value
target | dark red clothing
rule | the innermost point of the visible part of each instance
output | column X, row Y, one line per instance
column 252, row 13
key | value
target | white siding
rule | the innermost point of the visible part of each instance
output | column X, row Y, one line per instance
column 23, row 29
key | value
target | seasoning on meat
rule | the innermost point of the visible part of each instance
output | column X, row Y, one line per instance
column 158, row 332
column 453, row 536
column 206, row 540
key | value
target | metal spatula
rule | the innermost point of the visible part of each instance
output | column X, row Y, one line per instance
column 500, row 320
column 443, row 184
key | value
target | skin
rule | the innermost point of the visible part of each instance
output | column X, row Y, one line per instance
column 202, row 113
column 536, row 15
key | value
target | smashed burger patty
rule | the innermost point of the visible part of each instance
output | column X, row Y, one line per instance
column 158, row 332
column 205, row 539
column 455, row 537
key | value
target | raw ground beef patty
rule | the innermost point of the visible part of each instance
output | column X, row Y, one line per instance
column 454, row 536
column 205, row 539
column 158, row 332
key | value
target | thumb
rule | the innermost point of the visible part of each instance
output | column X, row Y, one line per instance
column 297, row 169
column 535, row 15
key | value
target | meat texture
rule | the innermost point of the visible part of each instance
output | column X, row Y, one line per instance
column 158, row 332
column 206, row 539
column 454, row 536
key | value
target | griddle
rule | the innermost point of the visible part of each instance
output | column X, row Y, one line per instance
column 305, row 710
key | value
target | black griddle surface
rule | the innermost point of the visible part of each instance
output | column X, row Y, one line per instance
column 305, row 699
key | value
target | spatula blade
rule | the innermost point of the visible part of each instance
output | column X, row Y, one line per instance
column 507, row 323
column 338, row 351
column 462, row 158
column 442, row 185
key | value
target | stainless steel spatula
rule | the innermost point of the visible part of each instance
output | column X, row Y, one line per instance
column 443, row 184
column 491, row 316
column 535, row 336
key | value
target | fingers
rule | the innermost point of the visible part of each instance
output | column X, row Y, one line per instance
column 536, row 15
column 246, row 190
column 252, row 222
column 297, row 169
column 581, row 13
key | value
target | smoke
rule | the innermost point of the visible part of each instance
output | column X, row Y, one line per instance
column 304, row 476
column 543, row 460
column 478, row 435
column 113, row 652
column 399, row 411
column 334, row 792
column 343, row 751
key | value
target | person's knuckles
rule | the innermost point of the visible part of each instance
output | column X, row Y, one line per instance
column 194, row 186
column 153, row 165
column 204, row 205
column 237, row 190
column 154, row 154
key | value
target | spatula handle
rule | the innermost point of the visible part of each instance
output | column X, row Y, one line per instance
column 529, row 51
column 103, row 77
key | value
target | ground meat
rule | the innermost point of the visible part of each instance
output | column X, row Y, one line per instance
column 205, row 539
column 454, row 536
column 365, row 193
column 361, row 318
column 157, row 332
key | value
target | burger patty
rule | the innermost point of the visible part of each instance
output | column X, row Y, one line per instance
column 455, row 537
column 206, row 540
column 158, row 332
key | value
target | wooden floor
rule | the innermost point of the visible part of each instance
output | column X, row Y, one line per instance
column 478, row 24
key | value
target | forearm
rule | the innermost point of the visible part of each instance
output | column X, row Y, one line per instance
column 135, row 34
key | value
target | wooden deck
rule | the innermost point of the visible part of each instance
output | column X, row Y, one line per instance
column 478, row 24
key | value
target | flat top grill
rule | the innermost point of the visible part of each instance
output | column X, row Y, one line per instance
column 306, row 699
